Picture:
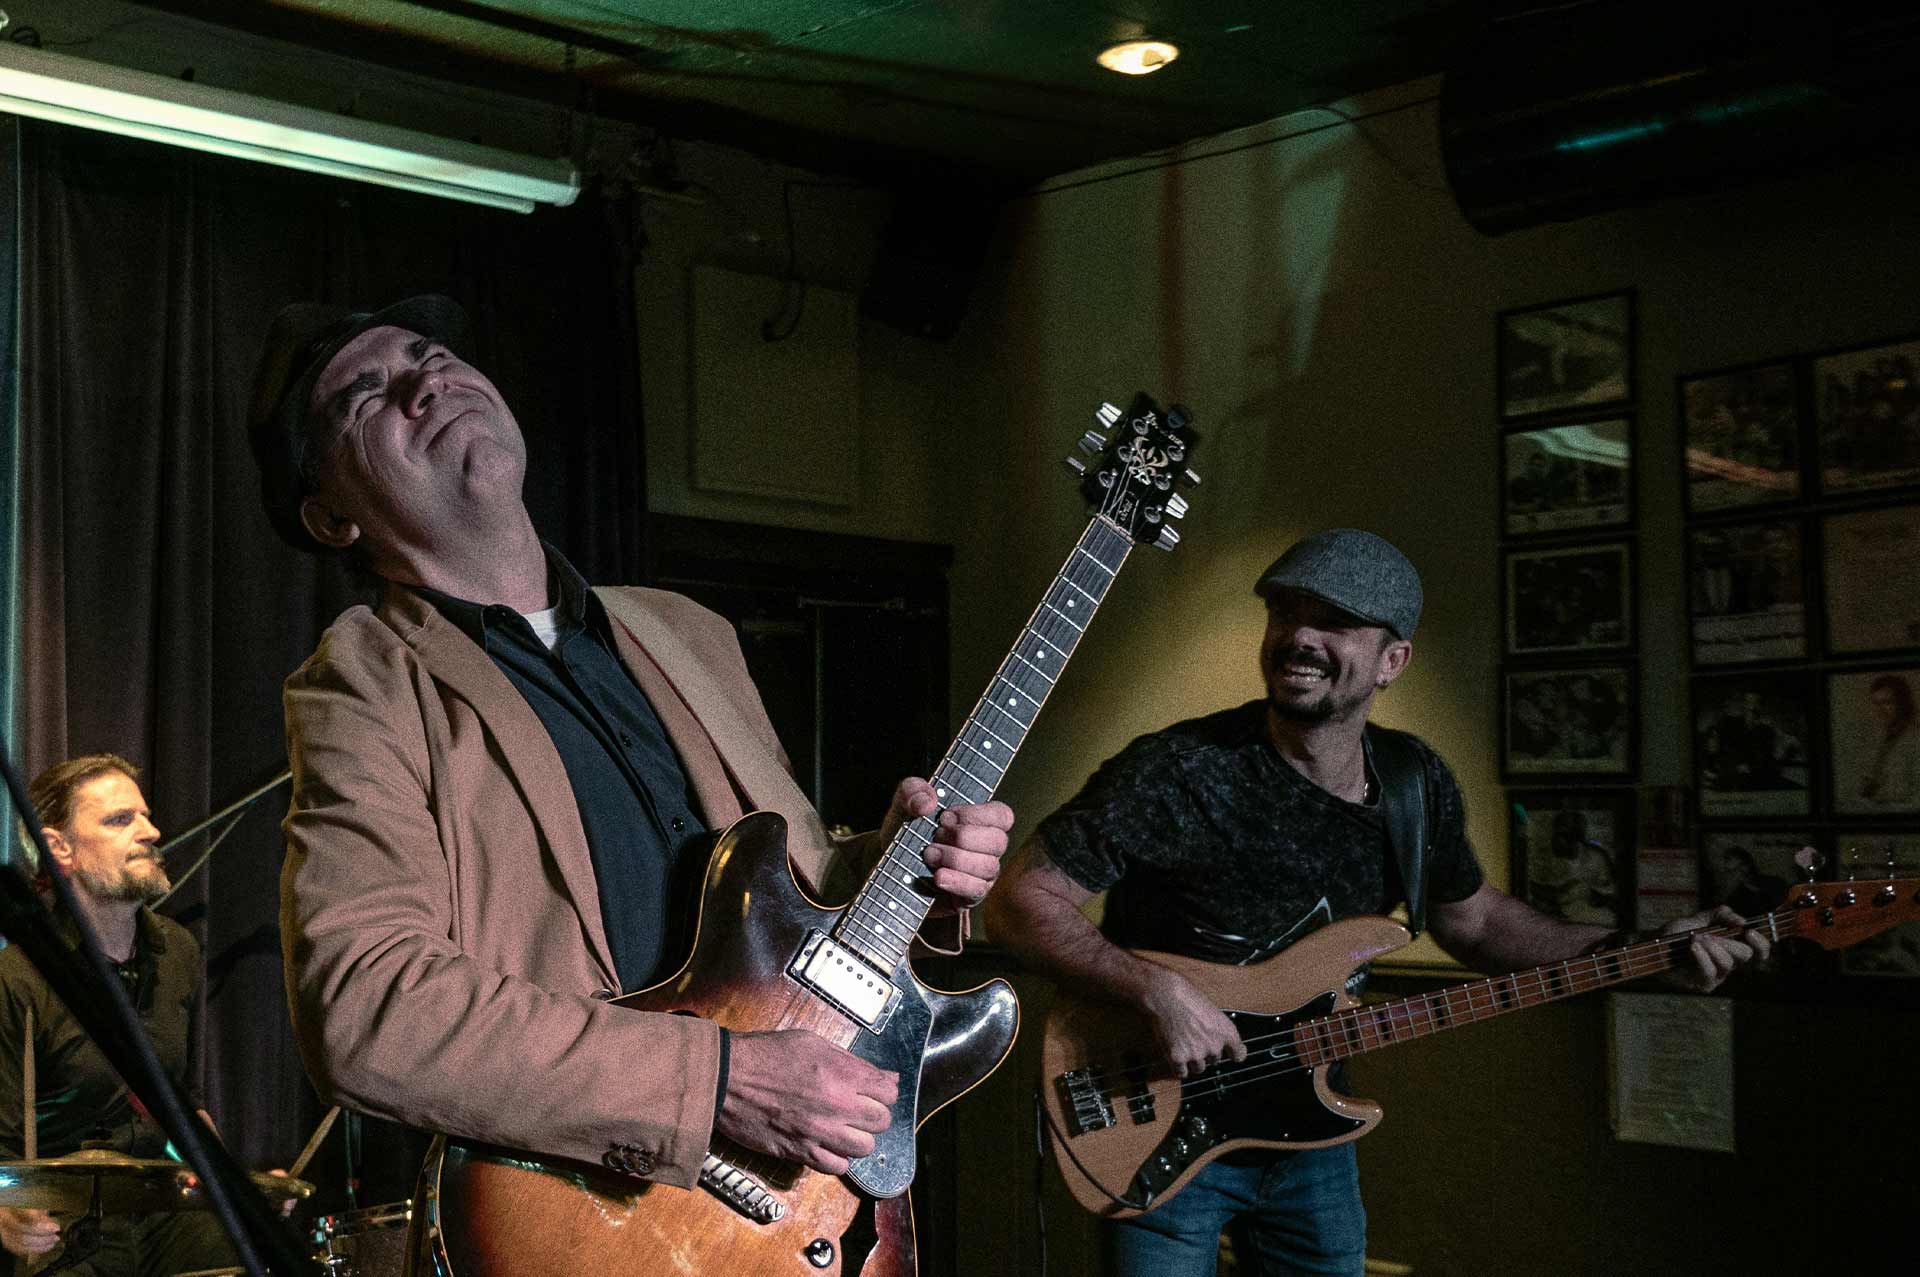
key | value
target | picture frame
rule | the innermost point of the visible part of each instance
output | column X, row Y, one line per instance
column 1741, row 437
column 1747, row 592
column 1564, row 356
column 1873, row 741
column 1862, row 854
column 1750, row 744
column 1870, row 577
column 1569, row 600
column 1866, row 415
column 1573, row 853
column 1751, row 870
column 1569, row 722
column 1576, row 476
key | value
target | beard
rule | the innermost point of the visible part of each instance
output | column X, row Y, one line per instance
column 1325, row 705
column 138, row 882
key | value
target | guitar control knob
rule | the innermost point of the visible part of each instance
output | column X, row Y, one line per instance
column 819, row 1252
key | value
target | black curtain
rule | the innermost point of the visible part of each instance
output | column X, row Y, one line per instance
column 161, row 613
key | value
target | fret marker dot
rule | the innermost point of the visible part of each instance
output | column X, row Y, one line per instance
column 892, row 905
column 941, row 792
column 988, row 745
column 1011, row 702
column 1070, row 603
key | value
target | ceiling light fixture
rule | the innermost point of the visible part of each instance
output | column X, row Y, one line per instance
column 91, row 95
column 1138, row 57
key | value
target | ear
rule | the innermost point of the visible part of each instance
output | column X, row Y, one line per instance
column 58, row 847
column 1393, row 661
column 325, row 525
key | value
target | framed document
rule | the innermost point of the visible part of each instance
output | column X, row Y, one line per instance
column 1573, row 477
column 1750, row 735
column 1565, row 355
column 1741, row 440
column 1575, row 723
column 1871, row 570
column 1750, row 870
column 1874, row 741
column 1569, row 599
column 1866, row 407
column 1746, row 592
column 1573, row 852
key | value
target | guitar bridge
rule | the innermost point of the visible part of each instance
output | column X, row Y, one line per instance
column 1086, row 1105
column 740, row 1190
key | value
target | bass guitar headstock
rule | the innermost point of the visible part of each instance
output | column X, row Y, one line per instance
column 1139, row 468
column 1836, row 914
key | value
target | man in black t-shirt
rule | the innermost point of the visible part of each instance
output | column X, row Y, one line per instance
column 1229, row 837
column 100, row 835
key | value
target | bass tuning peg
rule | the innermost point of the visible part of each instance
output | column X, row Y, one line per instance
column 1076, row 465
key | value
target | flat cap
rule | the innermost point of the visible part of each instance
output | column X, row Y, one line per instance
column 1355, row 571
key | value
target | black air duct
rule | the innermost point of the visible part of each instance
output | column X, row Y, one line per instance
column 1577, row 109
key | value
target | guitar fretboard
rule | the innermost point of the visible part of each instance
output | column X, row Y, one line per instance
column 1367, row 1028
column 884, row 918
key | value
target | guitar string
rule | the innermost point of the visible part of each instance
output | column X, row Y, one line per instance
column 1108, row 1072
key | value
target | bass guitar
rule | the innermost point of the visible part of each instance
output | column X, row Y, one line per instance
column 1129, row 1134
column 766, row 956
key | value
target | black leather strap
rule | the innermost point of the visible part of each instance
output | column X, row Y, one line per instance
column 1404, row 806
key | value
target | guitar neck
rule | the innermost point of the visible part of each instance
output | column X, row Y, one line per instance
column 1368, row 1028
column 886, row 915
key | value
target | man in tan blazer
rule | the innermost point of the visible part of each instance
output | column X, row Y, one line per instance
column 448, row 943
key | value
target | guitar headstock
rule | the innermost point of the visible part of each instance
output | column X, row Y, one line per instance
column 1836, row 914
column 1139, row 468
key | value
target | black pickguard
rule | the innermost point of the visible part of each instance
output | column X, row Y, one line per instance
column 1264, row 1097
column 957, row 1038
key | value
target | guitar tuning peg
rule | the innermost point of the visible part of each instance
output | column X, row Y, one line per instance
column 1076, row 465
column 1092, row 442
column 1177, row 506
column 1106, row 414
column 1178, row 415
column 1192, row 477
column 1167, row 539
column 1810, row 862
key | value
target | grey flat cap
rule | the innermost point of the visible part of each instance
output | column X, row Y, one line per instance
column 1355, row 571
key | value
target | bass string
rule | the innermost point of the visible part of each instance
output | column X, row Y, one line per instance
column 1113, row 1070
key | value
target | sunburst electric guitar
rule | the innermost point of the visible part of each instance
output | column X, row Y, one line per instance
column 765, row 957
column 1128, row 1134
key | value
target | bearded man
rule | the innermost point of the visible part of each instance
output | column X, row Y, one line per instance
column 1229, row 837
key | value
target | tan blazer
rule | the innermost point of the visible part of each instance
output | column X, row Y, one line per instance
column 445, row 954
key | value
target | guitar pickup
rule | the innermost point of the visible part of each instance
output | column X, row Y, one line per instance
column 1086, row 1105
column 839, row 976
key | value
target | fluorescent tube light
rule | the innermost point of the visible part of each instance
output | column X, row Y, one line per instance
column 91, row 95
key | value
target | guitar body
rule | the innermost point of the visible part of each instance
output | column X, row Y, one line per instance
column 500, row 1213
column 1128, row 1134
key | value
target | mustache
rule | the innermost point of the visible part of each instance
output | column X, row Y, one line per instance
column 1301, row 656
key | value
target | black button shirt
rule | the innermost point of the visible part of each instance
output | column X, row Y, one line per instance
column 647, row 839
column 78, row 1095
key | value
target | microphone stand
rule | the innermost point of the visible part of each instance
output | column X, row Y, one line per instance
column 83, row 979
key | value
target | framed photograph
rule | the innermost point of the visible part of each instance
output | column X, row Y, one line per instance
column 1575, row 477
column 1874, row 742
column 1894, row 952
column 1750, row 734
column 1565, row 355
column 1573, row 852
column 1750, row 870
column 1870, row 568
column 1866, row 406
column 1746, row 592
column 1741, row 440
column 1569, row 599
column 1574, row 723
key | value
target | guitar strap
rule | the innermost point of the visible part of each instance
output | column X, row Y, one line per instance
column 1404, row 805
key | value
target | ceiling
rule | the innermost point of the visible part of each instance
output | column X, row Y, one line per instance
column 991, row 95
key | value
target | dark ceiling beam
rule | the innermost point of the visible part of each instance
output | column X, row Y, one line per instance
column 876, row 163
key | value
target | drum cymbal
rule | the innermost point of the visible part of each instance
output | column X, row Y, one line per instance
column 128, row 1185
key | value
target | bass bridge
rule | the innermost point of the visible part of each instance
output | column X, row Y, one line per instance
column 838, row 975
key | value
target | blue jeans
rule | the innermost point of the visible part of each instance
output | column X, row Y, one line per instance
column 1296, row 1212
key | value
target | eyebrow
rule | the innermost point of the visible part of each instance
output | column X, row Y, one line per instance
column 337, row 405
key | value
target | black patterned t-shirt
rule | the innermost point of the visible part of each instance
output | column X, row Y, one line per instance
column 1215, row 847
